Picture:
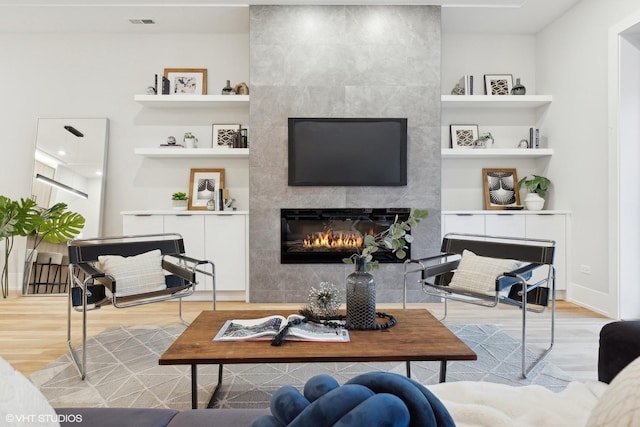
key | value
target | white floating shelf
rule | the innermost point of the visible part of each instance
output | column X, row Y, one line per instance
column 495, row 101
column 179, row 152
column 192, row 101
column 495, row 153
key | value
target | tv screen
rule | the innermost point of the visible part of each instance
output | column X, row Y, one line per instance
column 347, row 152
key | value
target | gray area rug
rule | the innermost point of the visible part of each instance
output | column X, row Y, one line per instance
column 123, row 371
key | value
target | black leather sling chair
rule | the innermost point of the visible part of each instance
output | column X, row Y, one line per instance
column 486, row 270
column 127, row 271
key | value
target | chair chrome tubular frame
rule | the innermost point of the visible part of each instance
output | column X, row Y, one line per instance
column 447, row 262
column 174, row 263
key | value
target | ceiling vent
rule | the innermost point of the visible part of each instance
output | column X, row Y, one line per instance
column 142, row 21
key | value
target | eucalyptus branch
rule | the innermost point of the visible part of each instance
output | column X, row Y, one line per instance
column 395, row 239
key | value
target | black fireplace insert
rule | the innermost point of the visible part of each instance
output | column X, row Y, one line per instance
column 326, row 236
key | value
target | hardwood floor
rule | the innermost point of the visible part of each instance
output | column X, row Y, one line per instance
column 33, row 330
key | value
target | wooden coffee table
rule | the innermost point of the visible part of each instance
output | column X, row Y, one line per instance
column 418, row 336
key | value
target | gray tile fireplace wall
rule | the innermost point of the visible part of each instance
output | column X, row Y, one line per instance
column 340, row 61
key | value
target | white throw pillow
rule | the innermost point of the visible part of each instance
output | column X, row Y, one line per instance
column 478, row 273
column 620, row 404
column 21, row 403
column 135, row 274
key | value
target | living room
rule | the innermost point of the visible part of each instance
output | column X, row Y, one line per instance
column 71, row 73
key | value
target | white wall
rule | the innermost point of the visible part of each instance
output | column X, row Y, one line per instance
column 572, row 64
column 97, row 75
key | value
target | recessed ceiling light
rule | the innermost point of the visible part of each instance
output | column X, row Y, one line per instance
column 142, row 21
column 62, row 152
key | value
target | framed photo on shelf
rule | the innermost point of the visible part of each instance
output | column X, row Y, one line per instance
column 500, row 188
column 183, row 81
column 498, row 84
column 463, row 136
column 223, row 135
column 204, row 185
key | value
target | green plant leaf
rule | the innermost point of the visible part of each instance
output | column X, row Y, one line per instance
column 62, row 227
column 9, row 216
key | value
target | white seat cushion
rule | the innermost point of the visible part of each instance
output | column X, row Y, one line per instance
column 135, row 274
column 478, row 274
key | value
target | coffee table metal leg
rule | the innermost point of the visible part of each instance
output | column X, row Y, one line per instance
column 194, row 386
column 408, row 369
column 443, row 371
column 214, row 396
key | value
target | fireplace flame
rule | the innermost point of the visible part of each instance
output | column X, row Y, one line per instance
column 329, row 240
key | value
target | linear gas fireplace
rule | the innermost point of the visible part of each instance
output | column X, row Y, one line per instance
column 326, row 236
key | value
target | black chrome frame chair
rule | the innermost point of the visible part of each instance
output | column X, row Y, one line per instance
column 88, row 286
column 537, row 255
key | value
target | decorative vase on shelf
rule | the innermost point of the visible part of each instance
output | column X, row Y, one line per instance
column 179, row 205
column 534, row 202
column 190, row 141
column 361, row 297
column 518, row 88
column 227, row 90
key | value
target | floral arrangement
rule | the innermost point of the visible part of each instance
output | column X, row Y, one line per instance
column 394, row 238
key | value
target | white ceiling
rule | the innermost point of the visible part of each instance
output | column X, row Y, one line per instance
column 231, row 16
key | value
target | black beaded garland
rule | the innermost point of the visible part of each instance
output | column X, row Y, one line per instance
column 331, row 321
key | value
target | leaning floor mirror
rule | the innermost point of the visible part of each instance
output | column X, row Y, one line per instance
column 69, row 167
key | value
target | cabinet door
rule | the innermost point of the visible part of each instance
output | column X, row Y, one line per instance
column 508, row 225
column 226, row 246
column 551, row 227
column 462, row 223
column 142, row 224
column 191, row 228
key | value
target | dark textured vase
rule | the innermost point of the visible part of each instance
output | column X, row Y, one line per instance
column 518, row 88
column 361, row 297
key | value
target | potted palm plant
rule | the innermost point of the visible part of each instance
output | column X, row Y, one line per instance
column 24, row 218
column 537, row 186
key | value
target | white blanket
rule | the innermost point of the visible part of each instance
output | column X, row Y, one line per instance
column 484, row 404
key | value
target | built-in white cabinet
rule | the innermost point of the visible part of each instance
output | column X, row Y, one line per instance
column 223, row 233
column 548, row 225
column 217, row 236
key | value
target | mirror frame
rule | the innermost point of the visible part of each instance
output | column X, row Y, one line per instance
column 47, row 140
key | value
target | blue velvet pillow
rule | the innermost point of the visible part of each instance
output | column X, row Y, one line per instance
column 374, row 399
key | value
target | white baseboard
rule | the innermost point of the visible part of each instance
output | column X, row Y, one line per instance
column 590, row 299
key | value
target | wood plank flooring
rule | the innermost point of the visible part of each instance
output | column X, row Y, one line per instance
column 33, row 329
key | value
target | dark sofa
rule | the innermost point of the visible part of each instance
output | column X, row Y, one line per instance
column 138, row 417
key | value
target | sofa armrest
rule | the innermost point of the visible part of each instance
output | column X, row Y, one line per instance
column 619, row 346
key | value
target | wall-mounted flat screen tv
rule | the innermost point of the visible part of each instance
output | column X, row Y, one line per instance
column 348, row 152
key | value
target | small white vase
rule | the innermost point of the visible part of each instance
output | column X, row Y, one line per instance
column 534, row 202
column 179, row 205
column 191, row 142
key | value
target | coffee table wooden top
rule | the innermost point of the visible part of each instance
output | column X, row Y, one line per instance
column 417, row 336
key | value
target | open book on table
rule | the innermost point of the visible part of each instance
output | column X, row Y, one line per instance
column 265, row 328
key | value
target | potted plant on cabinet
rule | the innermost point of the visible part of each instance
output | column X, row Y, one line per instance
column 537, row 186
column 179, row 200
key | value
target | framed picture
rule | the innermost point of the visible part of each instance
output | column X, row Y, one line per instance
column 463, row 136
column 187, row 81
column 204, row 185
column 223, row 135
column 498, row 84
column 500, row 188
